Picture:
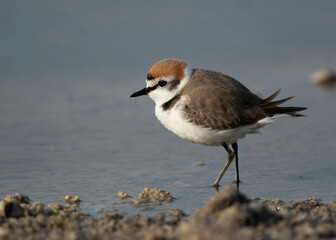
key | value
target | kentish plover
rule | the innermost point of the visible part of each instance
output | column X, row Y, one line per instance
column 208, row 107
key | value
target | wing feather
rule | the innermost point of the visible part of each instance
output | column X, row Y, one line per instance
column 232, row 104
column 217, row 101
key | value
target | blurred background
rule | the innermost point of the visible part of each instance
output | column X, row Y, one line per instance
column 68, row 126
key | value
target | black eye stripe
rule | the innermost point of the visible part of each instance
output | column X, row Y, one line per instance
column 149, row 89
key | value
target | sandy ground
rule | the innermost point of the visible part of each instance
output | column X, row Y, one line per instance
column 227, row 215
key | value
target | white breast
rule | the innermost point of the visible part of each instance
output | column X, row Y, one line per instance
column 175, row 121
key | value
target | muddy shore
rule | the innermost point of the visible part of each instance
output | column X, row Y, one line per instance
column 227, row 215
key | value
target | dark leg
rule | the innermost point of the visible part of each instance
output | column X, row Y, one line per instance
column 230, row 156
column 235, row 150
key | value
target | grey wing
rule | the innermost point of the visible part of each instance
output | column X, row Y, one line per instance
column 225, row 105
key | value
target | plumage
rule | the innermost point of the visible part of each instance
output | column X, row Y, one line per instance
column 208, row 107
column 232, row 104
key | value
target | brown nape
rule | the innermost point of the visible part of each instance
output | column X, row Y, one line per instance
column 271, row 108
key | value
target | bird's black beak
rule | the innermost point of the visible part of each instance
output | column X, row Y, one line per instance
column 140, row 93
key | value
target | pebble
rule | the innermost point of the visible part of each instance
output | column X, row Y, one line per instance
column 123, row 196
column 152, row 197
column 325, row 78
column 71, row 199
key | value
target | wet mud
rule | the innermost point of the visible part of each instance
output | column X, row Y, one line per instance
column 227, row 215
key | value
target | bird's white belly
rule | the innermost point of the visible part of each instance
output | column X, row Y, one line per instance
column 175, row 121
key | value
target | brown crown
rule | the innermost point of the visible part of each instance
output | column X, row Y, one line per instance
column 167, row 68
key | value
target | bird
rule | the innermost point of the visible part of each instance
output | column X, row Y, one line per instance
column 208, row 107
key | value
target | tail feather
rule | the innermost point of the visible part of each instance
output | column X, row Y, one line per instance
column 271, row 108
column 292, row 111
column 276, row 103
column 270, row 98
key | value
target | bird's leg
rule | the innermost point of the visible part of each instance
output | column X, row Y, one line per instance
column 230, row 156
column 235, row 150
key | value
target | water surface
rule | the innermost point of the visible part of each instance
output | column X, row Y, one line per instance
column 68, row 126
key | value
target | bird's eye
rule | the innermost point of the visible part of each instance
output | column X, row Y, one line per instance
column 162, row 83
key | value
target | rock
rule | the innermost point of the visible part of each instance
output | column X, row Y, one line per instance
column 324, row 78
column 225, row 198
column 71, row 199
column 11, row 209
column 228, row 215
column 54, row 208
column 152, row 196
column 17, row 197
column 123, row 196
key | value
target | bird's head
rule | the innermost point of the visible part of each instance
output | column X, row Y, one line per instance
column 165, row 80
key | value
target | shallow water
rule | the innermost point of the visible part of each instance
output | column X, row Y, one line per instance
column 68, row 126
